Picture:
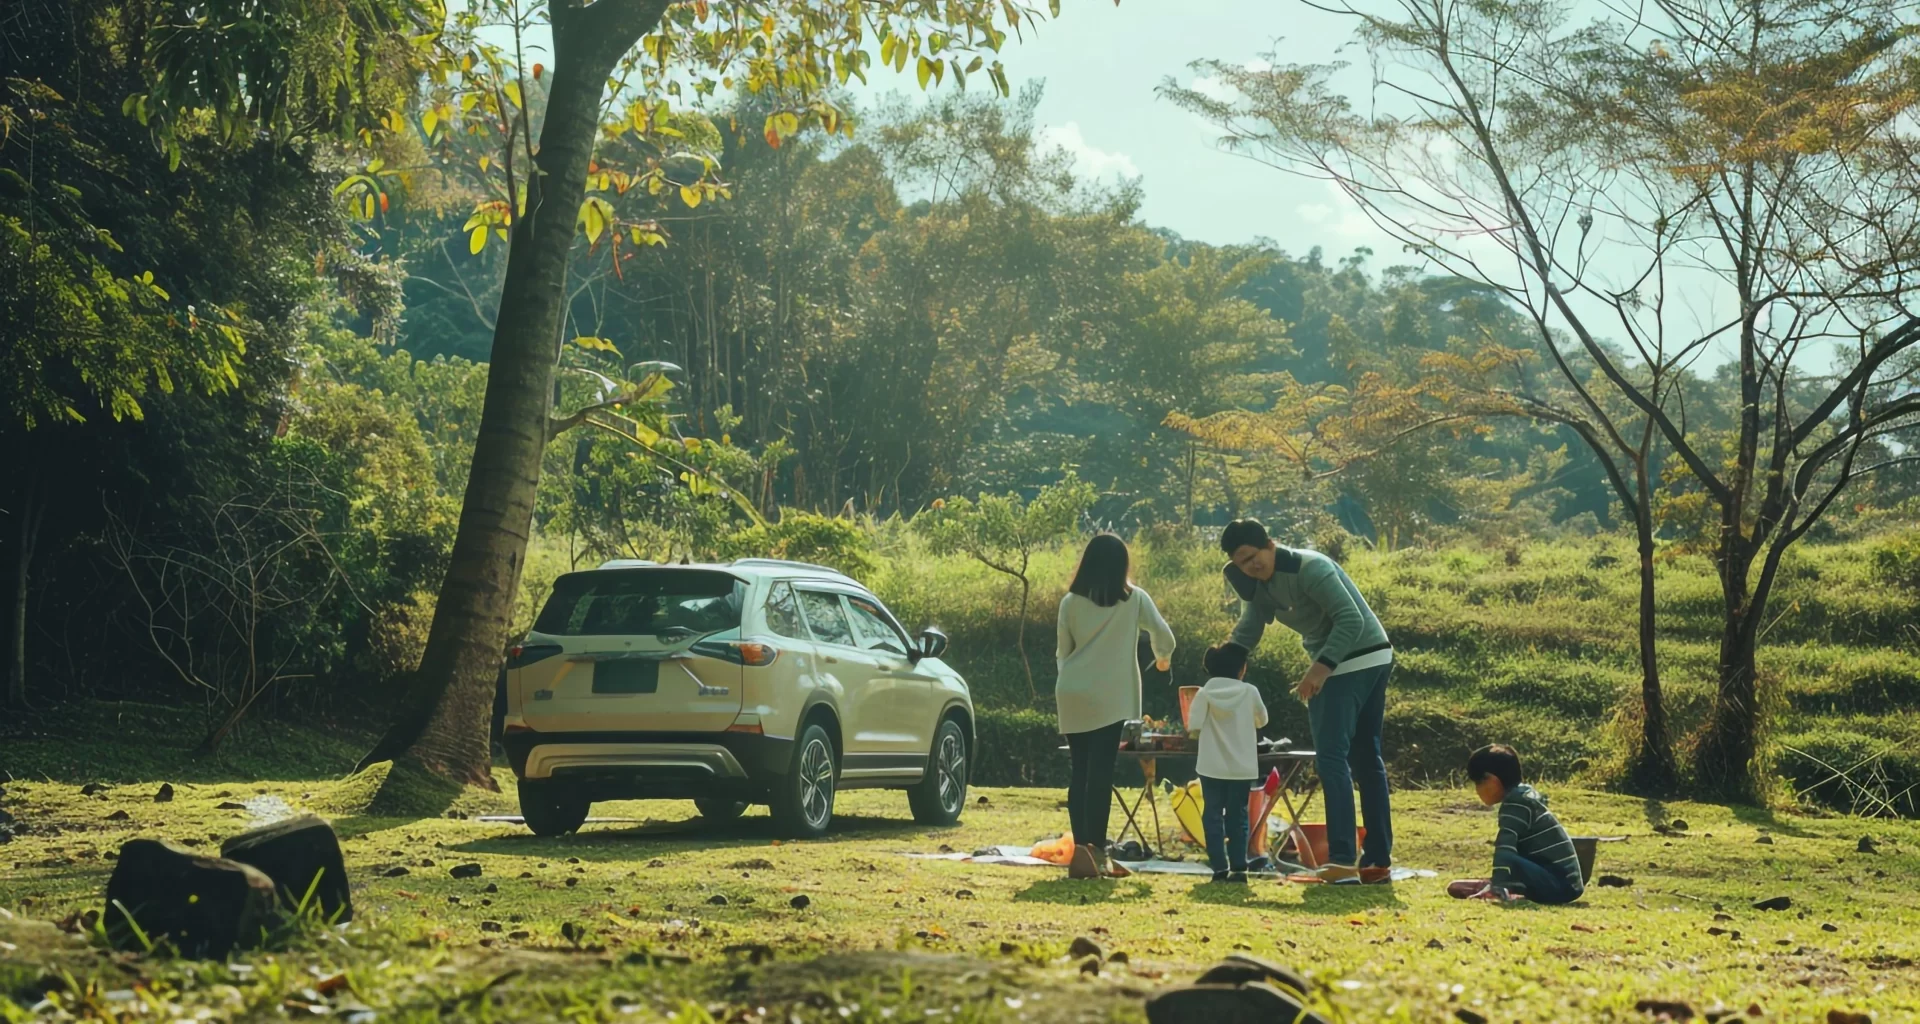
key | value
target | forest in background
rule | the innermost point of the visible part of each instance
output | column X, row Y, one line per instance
column 245, row 380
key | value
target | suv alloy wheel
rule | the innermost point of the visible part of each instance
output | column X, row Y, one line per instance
column 940, row 797
column 803, row 801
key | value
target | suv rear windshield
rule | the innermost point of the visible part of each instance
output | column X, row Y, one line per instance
column 641, row 602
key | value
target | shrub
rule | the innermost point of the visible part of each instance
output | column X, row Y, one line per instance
column 834, row 542
column 1018, row 747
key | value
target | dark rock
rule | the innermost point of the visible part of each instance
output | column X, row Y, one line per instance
column 1436, row 944
column 1679, row 824
column 204, row 906
column 571, row 882
column 1466, row 1016
column 301, row 855
column 1119, row 957
column 755, row 952
column 800, row 902
column 1085, row 947
column 1764, row 840
column 1829, row 927
column 92, row 788
column 465, row 871
column 1848, row 1017
column 490, row 926
column 1240, row 968
column 229, row 805
column 491, row 888
column 1664, row 1008
column 1612, row 882
column 397, row 872
column 1254, row 1003
column 1774, row 903
column 426, row 862
column 164, row 794
column 119, row 815
column 716, row 900
column 1866, row 845
column 656, row 863
column 963, row 894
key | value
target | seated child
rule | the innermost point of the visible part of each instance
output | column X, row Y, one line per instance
column 1227, row 714
column 1532, row 857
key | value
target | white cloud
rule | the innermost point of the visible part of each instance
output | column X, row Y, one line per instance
column 1258, row 66
column 1089, row 161
column 1213, row 88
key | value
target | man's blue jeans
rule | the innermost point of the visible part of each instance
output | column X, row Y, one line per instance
column 1223, row 811
column 1347, row 715
column 1534, row 880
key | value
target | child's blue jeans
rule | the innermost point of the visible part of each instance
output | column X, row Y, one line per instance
column 1535, row 880
column 1224, row 811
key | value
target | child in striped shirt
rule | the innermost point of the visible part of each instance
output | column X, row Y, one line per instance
column 1533, row 856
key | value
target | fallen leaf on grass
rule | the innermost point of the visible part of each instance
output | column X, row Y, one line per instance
column 1579, row 926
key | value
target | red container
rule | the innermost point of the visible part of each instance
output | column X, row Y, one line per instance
column 1315, row 854
column 1187, row 693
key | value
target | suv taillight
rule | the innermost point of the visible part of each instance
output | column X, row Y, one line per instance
column 522, row 655
column 740, row 652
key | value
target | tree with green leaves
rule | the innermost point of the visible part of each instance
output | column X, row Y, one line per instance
column 1003, row 531
column 1757, row 153
column 639, row 54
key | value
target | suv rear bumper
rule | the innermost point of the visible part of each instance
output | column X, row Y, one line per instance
column 651, row 765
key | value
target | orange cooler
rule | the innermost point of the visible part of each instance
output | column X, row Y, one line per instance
column 1186, row 705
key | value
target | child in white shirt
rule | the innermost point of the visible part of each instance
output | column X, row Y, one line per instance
column 1227, row 715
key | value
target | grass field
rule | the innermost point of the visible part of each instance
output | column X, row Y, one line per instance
column 676, row 921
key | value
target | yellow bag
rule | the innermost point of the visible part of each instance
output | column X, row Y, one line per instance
column 1188, row 807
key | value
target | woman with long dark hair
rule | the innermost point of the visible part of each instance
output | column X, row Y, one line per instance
column 1101, row 619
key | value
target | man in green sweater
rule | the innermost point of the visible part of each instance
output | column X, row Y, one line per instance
column 1345, row 687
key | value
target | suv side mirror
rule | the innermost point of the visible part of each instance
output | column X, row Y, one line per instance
column 932, row 643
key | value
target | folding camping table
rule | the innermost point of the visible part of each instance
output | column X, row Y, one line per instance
column 1296, row 790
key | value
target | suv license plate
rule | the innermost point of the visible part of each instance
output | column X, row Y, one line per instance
column 628, row 675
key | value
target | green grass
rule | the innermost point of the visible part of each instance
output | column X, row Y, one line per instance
column 898, row 936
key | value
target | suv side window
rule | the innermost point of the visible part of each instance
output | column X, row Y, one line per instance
column 872, row 627
column 783, row 613
column 825, row 615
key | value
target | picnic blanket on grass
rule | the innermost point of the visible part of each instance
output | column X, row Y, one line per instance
column 1017, row 856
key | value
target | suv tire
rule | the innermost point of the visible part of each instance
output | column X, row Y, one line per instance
column 549, row 811
column 939, row 798
column 802, row 802
column 716, row 811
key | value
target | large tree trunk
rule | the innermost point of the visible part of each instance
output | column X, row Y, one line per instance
column 1652, row 770
column 31, row 510
column 443, row 726
column 1723, row 760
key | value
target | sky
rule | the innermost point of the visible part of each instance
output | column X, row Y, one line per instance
column 1101, row 63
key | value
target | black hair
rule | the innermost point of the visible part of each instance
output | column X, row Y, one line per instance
column 1499, row 761
column 1227, row 660
column 1243, row 533
column 1101, row 576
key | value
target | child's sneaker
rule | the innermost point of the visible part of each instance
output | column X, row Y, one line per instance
column 1237, row 878
column 1376, row 876
column 1219, row 876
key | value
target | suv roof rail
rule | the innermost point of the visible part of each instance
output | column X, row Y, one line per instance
column 785, row 563
column 625, row 563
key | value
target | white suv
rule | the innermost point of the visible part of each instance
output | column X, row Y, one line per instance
column 760, row 681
